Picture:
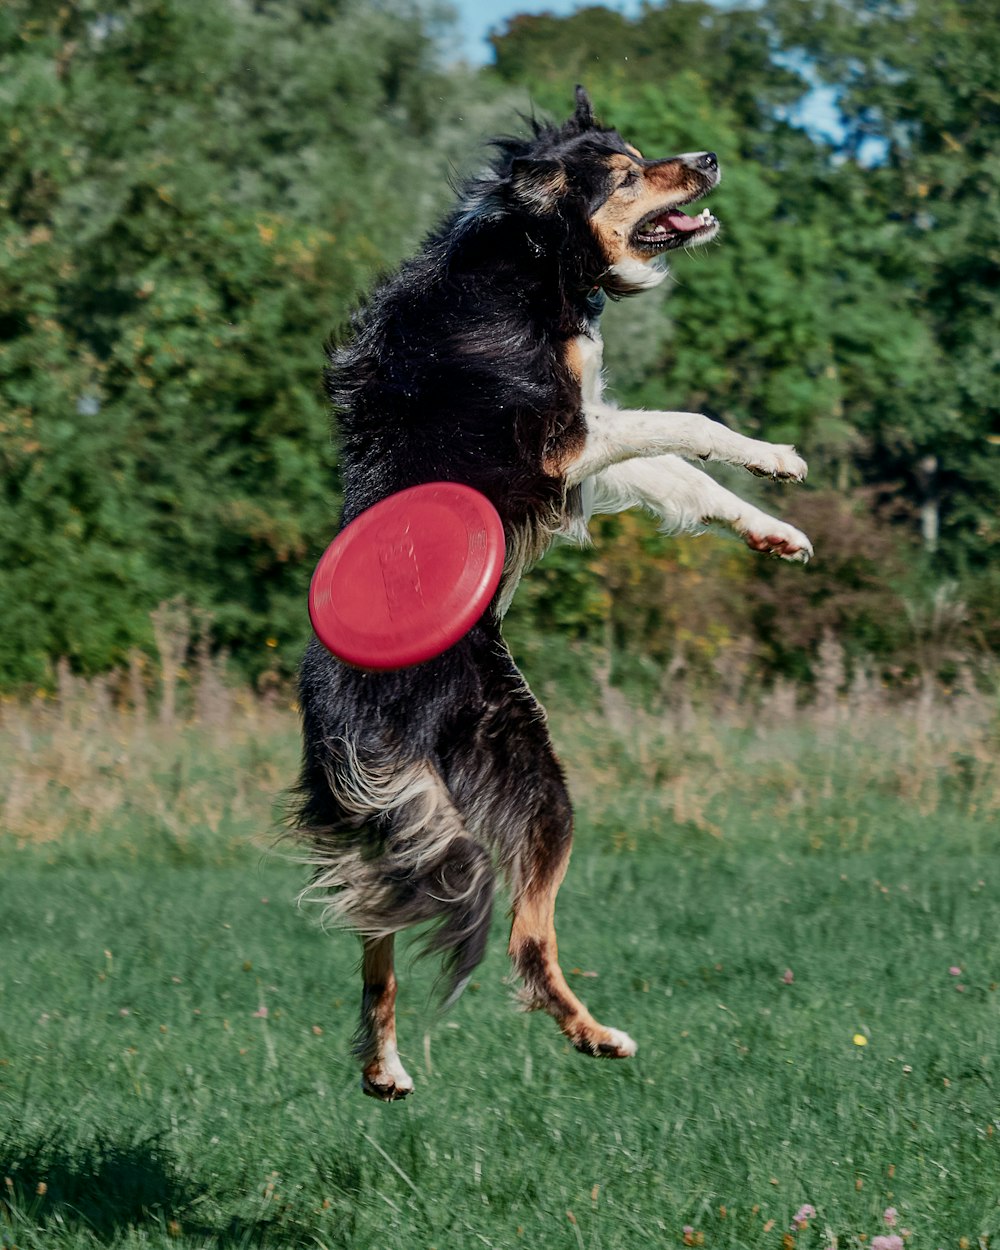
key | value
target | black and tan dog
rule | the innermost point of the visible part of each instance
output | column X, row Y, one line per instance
column 480, row 362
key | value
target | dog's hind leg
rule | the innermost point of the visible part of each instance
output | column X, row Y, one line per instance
column 414, row 863
column 533, row 947
column 383, row 1075
column 506, row 781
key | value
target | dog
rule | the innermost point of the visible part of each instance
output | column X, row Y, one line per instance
column 479, row 361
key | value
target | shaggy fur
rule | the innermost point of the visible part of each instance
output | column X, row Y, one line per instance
column 479, row 361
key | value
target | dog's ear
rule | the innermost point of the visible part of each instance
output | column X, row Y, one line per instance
column 538, row 182
column 584, row 115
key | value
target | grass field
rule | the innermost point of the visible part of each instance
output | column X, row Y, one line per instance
column 796, row 916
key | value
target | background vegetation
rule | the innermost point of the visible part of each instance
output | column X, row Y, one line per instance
column 193, row 196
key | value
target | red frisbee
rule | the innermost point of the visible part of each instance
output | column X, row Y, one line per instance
column 409, row 577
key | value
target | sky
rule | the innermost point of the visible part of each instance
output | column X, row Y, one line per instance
column 476, row 18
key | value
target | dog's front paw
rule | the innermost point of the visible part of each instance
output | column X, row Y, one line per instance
column 775, row 538
column 777, row 461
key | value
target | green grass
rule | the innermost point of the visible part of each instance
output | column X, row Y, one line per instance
column 141, row 1092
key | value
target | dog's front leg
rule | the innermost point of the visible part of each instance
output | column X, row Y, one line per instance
column 618, row 434
column 684, row 498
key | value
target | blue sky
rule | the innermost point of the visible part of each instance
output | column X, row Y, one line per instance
column 477, row 17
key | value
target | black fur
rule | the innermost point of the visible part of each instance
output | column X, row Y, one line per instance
column 457, row 370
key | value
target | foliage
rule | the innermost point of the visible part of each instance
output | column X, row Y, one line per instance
column 193, row 197
column 181, row 189
column 851, row 308
column 921, row 87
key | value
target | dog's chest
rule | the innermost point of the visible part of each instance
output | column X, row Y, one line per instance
column 587, row 354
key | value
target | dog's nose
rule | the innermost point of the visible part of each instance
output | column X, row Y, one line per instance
column 709, row 161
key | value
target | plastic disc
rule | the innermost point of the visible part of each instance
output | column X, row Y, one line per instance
column 409, row 577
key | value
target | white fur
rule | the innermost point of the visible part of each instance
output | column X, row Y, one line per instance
column 633, row 457
column 632, row 276
column 685, row 500
column 616, row 434
column 352, row 886
column 622, row 1042
column 387, row 1080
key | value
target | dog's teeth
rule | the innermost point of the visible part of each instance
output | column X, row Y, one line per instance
column 660, row 230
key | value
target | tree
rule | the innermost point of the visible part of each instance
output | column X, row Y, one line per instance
column 192, row 197
column 920, row 96
column 849, row 308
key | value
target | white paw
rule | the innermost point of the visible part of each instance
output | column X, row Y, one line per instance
column 385, row 1087
column 776, row 538
column 623, row 1045
column 603, row 1043
column 775, row 460
column 387, row 1080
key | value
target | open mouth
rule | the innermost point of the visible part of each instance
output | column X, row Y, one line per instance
column 669, row 227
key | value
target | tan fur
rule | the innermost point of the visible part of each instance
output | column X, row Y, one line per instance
column 545, row 988
column 383, row 1076
column 542, row 192
column 659, row 186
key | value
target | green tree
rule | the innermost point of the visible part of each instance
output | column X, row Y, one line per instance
column 920, row 97
column 192, row 197
column 840, row 311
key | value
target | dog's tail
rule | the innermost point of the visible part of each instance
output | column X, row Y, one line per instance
column 399, row 855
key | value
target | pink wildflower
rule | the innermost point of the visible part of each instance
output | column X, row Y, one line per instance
column 789, row 976
column 890, row 1241
column 890, row 1215
column 261, row 1012
column 955, row 971
column 803, row 1215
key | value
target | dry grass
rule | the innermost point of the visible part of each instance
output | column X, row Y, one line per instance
column 184, row 753
column 703, row 759
column 204, row 770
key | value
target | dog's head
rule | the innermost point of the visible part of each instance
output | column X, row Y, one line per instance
column 586, row 187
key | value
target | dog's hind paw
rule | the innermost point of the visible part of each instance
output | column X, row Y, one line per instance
column 385, row 1091
column 601, row 1043
column 386, row 1082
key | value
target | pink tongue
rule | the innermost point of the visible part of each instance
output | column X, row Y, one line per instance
column 677, row 220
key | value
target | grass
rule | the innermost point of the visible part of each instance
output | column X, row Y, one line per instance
column 751, row 896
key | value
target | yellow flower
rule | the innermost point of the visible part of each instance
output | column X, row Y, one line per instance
column 859, row 1039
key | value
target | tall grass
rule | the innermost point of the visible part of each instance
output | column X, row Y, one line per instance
column 175, row 757
column 198, row 763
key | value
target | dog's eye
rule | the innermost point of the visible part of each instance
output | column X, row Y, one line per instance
column 630, row 179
